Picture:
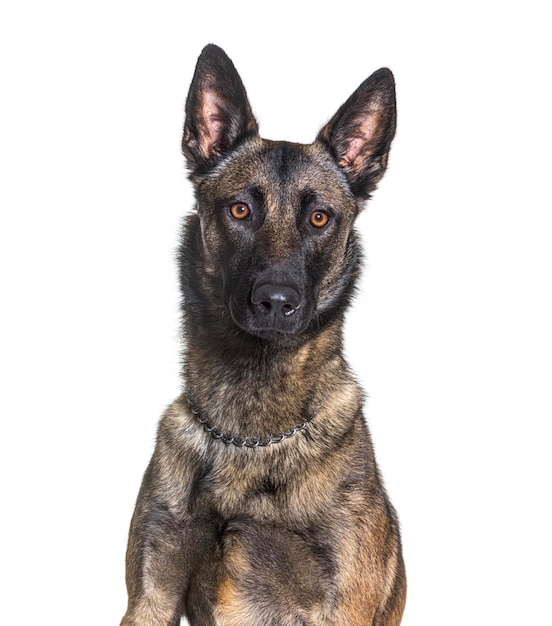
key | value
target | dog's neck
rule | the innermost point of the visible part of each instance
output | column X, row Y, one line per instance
column 261, row 387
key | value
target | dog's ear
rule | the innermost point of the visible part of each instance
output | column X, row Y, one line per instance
column 359, row 135
column 218, row 115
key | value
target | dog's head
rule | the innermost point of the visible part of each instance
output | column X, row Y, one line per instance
column 272, row 246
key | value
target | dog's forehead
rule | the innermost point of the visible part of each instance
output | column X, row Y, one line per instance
column 283, row 170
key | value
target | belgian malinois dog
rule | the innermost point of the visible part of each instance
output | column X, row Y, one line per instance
column 263, row 504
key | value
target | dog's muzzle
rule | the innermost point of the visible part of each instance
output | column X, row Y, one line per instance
column 271, row 306
column 272, row 309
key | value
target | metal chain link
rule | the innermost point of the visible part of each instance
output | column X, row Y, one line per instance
column 249, row 442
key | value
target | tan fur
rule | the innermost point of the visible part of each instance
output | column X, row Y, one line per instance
column 153, row 609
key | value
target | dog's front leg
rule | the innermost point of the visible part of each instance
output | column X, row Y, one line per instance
column 156, row 568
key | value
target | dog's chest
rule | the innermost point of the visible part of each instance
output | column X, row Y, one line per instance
column 259, row 499
column 266, row 568
column 271, row 549
column 253, row 488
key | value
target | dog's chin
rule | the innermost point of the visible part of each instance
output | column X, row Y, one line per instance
column 269, row 333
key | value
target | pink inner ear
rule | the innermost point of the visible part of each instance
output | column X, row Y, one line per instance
column 213, row 123
column 358, row 146
column 354, row 148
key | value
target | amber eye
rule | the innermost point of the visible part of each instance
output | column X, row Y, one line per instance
column 319, row 219
column 239, row 211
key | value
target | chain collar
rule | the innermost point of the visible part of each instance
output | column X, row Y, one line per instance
column 249, row 442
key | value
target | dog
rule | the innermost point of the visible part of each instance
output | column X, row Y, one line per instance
column 263, row 504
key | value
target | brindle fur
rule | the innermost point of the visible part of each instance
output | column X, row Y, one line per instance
column 299, row 532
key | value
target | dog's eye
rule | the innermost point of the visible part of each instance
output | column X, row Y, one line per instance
column 319, row 219
column 240, row 211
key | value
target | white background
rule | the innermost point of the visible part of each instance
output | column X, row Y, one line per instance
column 450, row 333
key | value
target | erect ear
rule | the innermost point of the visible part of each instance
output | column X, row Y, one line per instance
column 359, row 135
column 218, row 115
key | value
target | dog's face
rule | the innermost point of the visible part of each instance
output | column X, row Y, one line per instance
column 276, row 220
column 275, row 231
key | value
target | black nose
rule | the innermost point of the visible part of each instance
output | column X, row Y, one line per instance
column 275, row 302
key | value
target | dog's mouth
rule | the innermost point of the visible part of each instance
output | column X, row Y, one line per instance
column 269, row 335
